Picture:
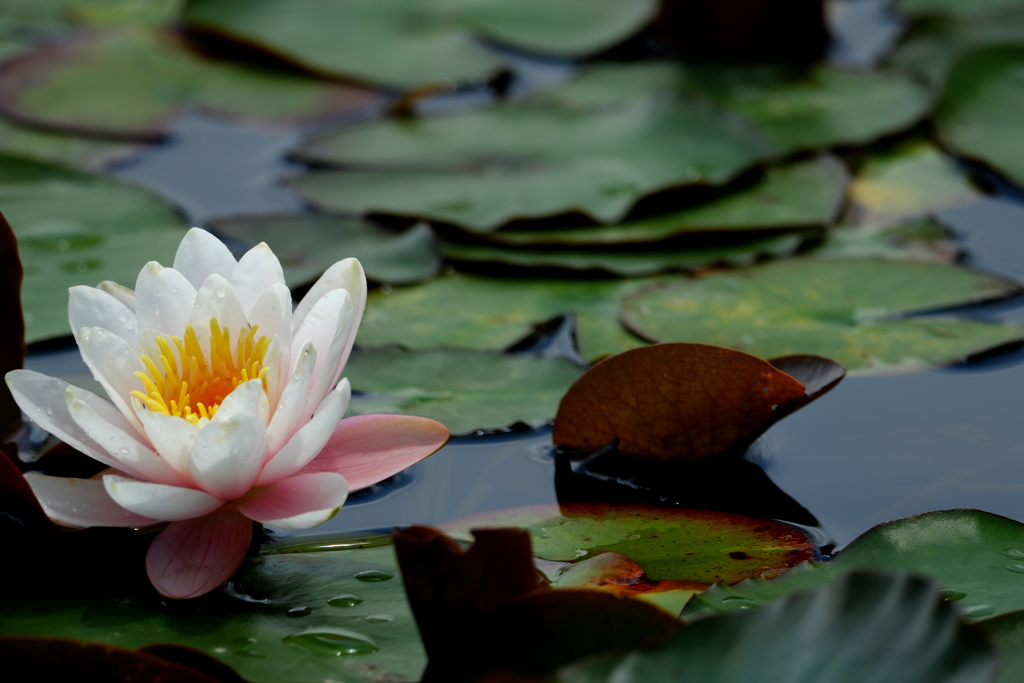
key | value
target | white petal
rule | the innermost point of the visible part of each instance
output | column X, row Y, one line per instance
column 257, row 270
column 91, row 307
column 105, row 425
column 277, row 371
column 305, row 520
column 273, row 314
column 307, row 442
column 327, row 326
column 172, row 437
column 113, row 364
column 159, row 501
column 247, row 397
column 227, row 455
column 82, row 502
column 217, row 299
column 163, row 299
column 123, row 294
column 346, row 274
column 292, row 405
column 43, row 399
column 200, row 255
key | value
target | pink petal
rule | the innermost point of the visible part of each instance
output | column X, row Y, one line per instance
column 200, row 255
column 294, row 496
column 369, row 448
column 159, row 501
column 81, row 502
column 191, row 558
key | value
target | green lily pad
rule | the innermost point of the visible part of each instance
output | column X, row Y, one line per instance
column 404, row 43
column 147, row 79
column 462, row 389
column 864, row 627
column 466, row 311
column 74, row 228
column 40, row 17
column 954, row 8
column 1007, row 632
column 668, row 543
column 308, row 244
column 65, row 150
column 931, row 46
column 107, row 14
column 314, row 616
column 916, row 239
column 977, row 115
column 910, row 180
column 850, row 311
column 481, row 169
column 634, row 262
column 802, row 195
column 794, row 109
column 976, row 557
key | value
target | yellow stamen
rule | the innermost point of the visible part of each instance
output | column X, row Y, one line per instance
column 188, row 384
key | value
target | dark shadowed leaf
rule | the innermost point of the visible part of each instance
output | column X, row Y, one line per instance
column 865, row 627
column 977, row 557
column 12, row 341
column 852, row 311
column 148, row 78
column 683, row 402
column 953, row 8
column 308, row 244
column 1007, row 632
column 931, row 46
column 464, row 390
column 403, row 43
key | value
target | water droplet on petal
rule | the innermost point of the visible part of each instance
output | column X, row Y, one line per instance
column 124, row 450
column 345, row 601
column 49, row 410
column 220, row 292
column 374, row 575
column 330, row 642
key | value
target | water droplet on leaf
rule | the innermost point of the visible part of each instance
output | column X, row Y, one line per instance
column 332, row 642
column 952, row 594
column 299, row 612
column 978, row 611
column 345, row 601
column 374, row 575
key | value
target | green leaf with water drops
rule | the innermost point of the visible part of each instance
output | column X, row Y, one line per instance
column 297, row 616
column 406, row 43
column 462, row 389
column 1007, row 632
column 909, row 180
column 631, row 262
column 308, row 244
column 148, row 78
column 864, row 627
column 794, row 108
column 676, row 544
column 851, row 311
column 482, row 169
column 977, row 558
column 977, row 115
column 467, row 311
column 74, row 228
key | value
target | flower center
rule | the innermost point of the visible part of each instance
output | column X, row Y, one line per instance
column 191, row 385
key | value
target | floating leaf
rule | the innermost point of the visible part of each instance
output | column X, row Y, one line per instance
column 799, row 196
column 495, row 313
column 846, row 310
column 931, row 46
column 954, row 8
column 890, row 629
column 1007, row 632
column 917, row 239
column 907, row 181
column 479, row 170
column 66, row 150
column 286, row 617
column 307, row 244
column 462, row 389
column 680, row 402
column 794, row 108
column 403, row 43
column 976, row 117
column 668, row 543
column 73, row 229
column 974, row 555
column 121, row 13
column 148, row 78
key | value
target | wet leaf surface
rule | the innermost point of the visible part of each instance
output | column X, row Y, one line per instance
column 977, row 115
column 308, row 244
column 495, row 313
column 886, row 628
column 148, row 78
column 479, row 170
column 847, row 310
column 1007, row 632
column 977, row 557
column 464, row 390
column 440, row 40
column 680, row 402
column 76, row 228
column 669, row 544
column 290, row 617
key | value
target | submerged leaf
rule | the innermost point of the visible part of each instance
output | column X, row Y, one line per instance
column 681, row 402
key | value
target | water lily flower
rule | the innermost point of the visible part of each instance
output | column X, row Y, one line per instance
column 225, row 407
